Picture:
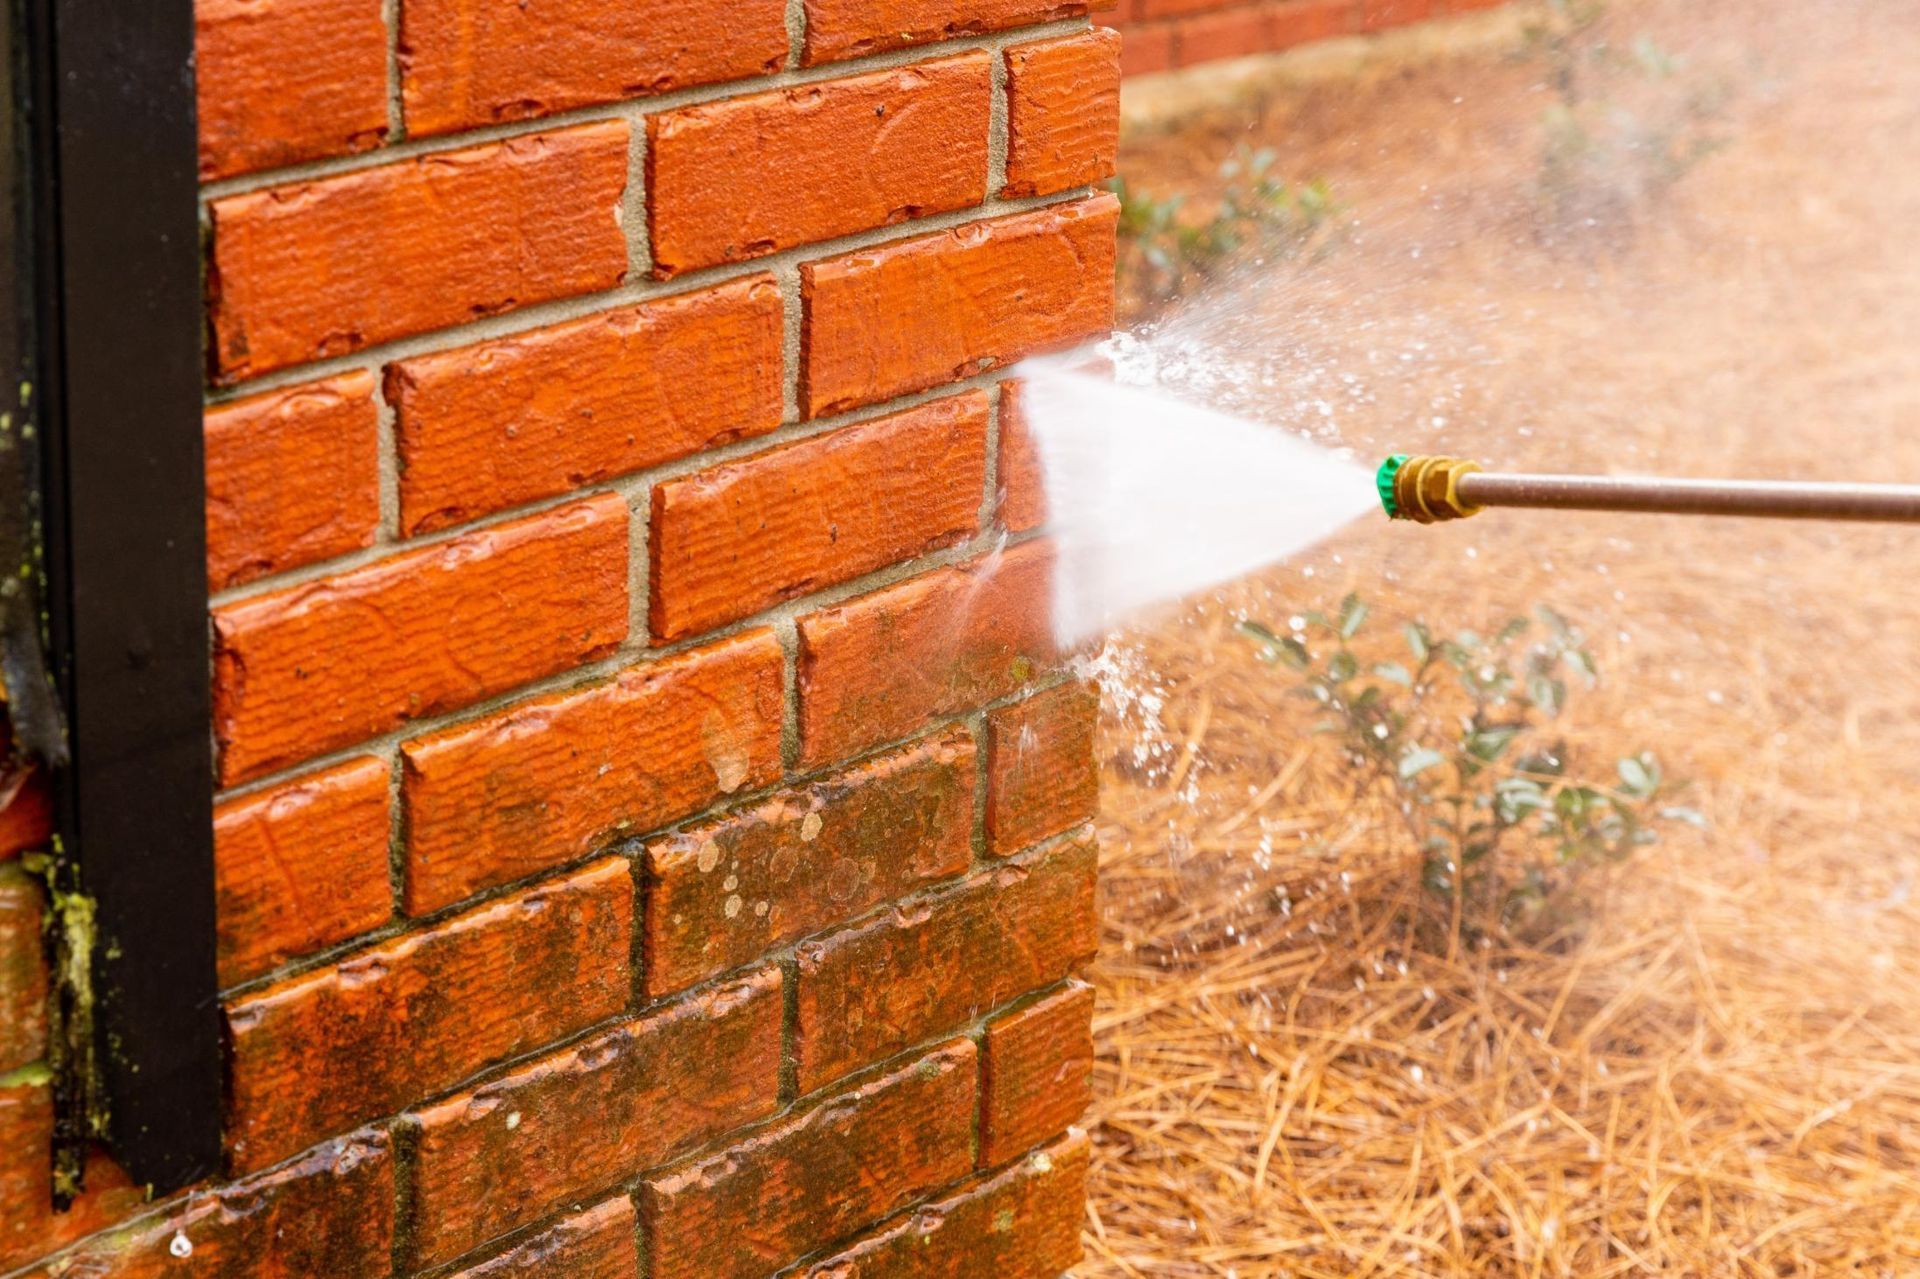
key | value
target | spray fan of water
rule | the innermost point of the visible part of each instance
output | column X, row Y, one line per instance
column 1151, row 498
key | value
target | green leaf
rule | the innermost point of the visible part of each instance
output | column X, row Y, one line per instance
column 1489, row 744
column 1514, row 629
column 1395, row 673
column 1342, row 666
column 1276, row 648
column 1353, row 612
column 1419, row 760
column 1639, row 775
column 1418, row 641
column 1562, row 629
column 1691, row 816
column 1581, row 660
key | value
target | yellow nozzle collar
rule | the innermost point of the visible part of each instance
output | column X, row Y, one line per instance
column 1427, row 489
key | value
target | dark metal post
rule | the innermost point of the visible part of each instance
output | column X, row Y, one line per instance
column 116, row 238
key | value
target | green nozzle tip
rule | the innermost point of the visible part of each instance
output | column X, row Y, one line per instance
column 1383, row 483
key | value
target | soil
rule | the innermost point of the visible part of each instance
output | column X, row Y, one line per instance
column 1718, row 1071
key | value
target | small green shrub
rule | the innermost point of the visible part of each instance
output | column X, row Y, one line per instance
column 1168, row 247
column 1457, row 739
column 1629, row 118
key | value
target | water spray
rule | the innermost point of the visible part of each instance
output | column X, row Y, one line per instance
column 1431, row 490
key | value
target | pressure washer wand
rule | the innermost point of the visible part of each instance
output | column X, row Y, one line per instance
column 1432, row 489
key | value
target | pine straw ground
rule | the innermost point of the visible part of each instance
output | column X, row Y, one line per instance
column 1716, row 1069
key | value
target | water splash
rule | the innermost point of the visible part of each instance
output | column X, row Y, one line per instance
column 1151, row 498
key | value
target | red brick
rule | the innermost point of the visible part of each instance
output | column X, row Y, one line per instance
column 331, row 266
column 624, row 1101
column 333, row 662
column 828, row 159
column 330, row 1212
column 917, row 313
column 740, row 537
column 30, row 1227
column 553, row 779
column 945, row 959
column 1063, row 112
column 1376, row 15
column 1234, row 33
column 727, row 890
column 362, row 1038
column 280, row 81
column 1146, row 48
column 1181, row 8
column 596, row 1244
column 26, row 813
column 301, row 867
column 839, row 29
column 469, row 63
column 1469, row 6
column 541, row 413
column 1022, row 499
column 876, row 668
column 1023, row 1223
column 23, row 970
column 1042, row 778
column 1038, row 1074
column 1301, row 21
column 293, row 476
column 821, row 1175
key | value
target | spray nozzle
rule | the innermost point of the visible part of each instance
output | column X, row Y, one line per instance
column 1424, row 489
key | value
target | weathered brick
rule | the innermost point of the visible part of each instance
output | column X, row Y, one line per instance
column 1042, row 778
column 1022, row 500
column 854, row 28
column 732, row 540
column 1023, row 1223
column 724, row 891
column 481, row 428
column 469, row 63
column 301, row 867
column 333, row 662
column 596, row 1244
column 280, row 81
column 945, row 959
column 334, row 265
column 329, row 1212
column 830, row 158
column 293, row 476
column 1063, row 112
column 1302, row 21
column 565, row 1127
column 1038, row 1074
column 917, row 313
column 553, row 779
column 26, row 814
column 816, row 1177
column 23, row 970
column 874, row 669
column 362, row 1038
column 1376, row 15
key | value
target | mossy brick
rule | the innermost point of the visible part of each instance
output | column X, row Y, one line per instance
column 556, row 777
column 823, row 1174
column 570, row 1124
column 930, row 965
column 723, row 891
column 362, row 1038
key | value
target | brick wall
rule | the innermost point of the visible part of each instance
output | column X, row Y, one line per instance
column 652, row 837
column 1162, row 34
